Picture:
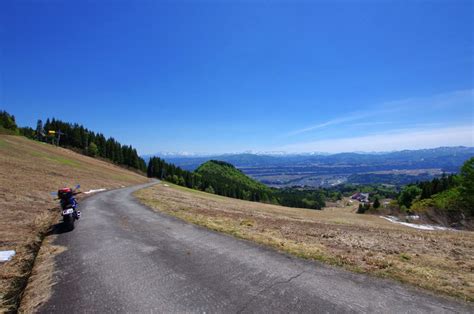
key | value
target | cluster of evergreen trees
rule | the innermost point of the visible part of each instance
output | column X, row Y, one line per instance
column 79, row 138
column 426, row 189
column 453, row 193
column 7, row 121
column 8, row 126
column 158, row 168
column 90, row 143
column 437, row 185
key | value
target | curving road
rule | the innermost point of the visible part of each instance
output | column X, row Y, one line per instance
column 123, row 257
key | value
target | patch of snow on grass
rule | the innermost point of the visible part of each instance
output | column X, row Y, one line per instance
column 416, row 226
column 5, row 256
column 94, row 191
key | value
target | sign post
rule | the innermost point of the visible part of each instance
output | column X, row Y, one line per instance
column 54, row 133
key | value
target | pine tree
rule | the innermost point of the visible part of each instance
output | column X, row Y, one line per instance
column 210, row 189
column 376, row 203
column 467, row 185
column 39, row 130
column 361, row 209
column 7, row 121
column 151, row 168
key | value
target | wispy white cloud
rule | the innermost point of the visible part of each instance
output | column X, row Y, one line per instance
column 438, row 101
column 371, row 123
column 351, row 117
column 392, row 140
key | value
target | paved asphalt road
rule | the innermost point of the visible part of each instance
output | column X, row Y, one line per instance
column 123, row 257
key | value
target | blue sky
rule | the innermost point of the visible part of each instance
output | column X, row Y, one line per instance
column 232, row 76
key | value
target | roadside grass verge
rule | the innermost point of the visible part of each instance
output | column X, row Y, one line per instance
column 40, row 281
column 29, row 171
column 440, row 261
column 14, row 275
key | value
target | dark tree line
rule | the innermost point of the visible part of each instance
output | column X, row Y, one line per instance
column 90, row 143
column 437, row 185
column 158, row 168
column 78, row 138
column 426, row 189
column 451, row 193
column 302, row 198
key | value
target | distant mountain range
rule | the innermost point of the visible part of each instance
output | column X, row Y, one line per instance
column 400, row 167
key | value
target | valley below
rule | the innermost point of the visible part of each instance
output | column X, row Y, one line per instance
column 394, row 168
column 328, row 176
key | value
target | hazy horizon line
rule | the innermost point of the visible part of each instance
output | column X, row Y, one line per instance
column 283, row 153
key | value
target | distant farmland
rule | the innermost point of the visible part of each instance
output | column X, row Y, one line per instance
column 397, row 168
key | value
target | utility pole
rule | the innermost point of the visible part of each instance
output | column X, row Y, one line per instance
column 59, row 133
column 39, row 130
column 52, row 133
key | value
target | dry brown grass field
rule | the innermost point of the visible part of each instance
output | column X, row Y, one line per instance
column 440, row 261
column 29, row 171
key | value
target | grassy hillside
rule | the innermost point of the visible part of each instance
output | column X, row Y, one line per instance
column 441, row 261
column 29, row 171
column 224, row 179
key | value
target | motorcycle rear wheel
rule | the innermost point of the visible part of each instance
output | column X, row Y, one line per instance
column 69, row 222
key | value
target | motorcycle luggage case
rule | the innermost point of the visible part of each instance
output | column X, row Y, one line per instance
column 64, row 193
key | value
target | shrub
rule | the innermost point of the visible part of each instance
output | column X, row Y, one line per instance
column 408, row 195
column 92, row 149
column 210, row 189
column 422, row 205
column 376, row 203
column 363, row 208
column 448, row 200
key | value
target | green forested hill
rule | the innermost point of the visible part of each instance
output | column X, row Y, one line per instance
column 448, row 199
column 224, row 179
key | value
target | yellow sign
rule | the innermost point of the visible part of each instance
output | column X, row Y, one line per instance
column 51, row 132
